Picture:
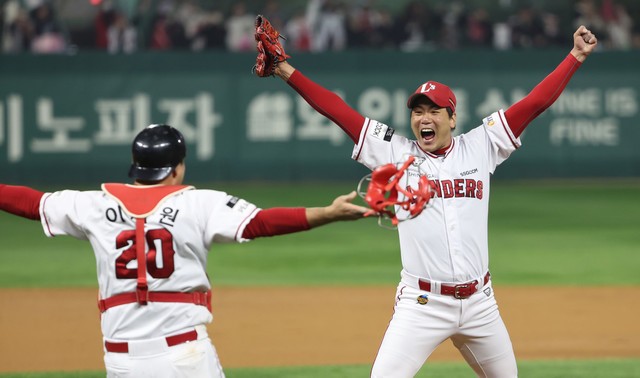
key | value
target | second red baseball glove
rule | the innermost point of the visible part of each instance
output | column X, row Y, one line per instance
column 270, row 50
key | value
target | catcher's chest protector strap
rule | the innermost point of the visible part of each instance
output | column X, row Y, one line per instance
column 139, row 202
column 197, row 298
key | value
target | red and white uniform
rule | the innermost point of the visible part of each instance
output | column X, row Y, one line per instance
column 448, row 241
column 445, row 290
column 445, row 245
column 153, row 315
column 181, row 230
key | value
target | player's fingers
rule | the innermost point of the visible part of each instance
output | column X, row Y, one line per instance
column 349, row 211
column 370, row 213
column 350, row 196
column 361, row 209
column 343, row 205
column 586, row 35
column 581, row 30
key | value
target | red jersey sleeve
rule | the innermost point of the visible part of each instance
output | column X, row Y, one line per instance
column 520, row 114
column 276, row 221
column 21, row 201
column 328, row 104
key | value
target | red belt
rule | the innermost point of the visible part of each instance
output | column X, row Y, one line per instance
column 123, row 347
column 197, row 298
column 460, row 291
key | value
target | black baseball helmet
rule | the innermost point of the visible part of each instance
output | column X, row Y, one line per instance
column 156, row 151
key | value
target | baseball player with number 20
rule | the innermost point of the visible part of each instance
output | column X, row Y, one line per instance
column 445, row 290
column 151, row 241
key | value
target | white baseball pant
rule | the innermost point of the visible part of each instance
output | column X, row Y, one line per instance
column 473, row 324
column 154, row 358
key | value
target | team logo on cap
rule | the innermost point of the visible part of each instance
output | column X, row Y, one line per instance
column 423, row 299
column 426, row 89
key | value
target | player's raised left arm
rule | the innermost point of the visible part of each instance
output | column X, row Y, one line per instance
column 584, row 42
column 543, row 95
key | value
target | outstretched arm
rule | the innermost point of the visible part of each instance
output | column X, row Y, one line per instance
column 20, row 200
column 340, row 210
column 272, row 60
column 520, row 114
column 323, row 100
column 282, row 220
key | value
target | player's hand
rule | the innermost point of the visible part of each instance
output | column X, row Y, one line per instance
column 270, row 50
column 284, row 70
column 341, row 209
column 584, row 42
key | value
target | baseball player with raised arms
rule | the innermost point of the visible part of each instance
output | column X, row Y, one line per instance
column 445, row 290
column 151, row 241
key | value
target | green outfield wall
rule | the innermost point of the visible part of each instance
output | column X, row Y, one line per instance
column 72, row 118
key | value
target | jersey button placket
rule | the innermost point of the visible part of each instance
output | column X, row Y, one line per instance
column 453, row 228
column 452, row 223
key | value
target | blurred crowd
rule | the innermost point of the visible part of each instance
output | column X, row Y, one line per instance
column 126, row 26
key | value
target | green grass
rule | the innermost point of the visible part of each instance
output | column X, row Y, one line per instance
column 568, row 234
column 618, row 368
column 553, row 233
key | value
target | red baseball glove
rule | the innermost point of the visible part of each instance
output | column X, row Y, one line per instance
column 270, row 51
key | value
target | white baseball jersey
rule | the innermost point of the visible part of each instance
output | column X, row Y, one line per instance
column 179, row 234
column 447, row 242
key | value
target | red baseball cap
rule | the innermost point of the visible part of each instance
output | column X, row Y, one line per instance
column 440, row 94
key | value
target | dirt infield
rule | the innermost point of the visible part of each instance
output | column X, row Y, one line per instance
column 55, row 329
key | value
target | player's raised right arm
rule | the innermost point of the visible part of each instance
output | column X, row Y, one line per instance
column 322, row 100
column 284, row 71
column 272, row 60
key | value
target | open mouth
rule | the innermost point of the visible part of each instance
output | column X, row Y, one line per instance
column 427, row 134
